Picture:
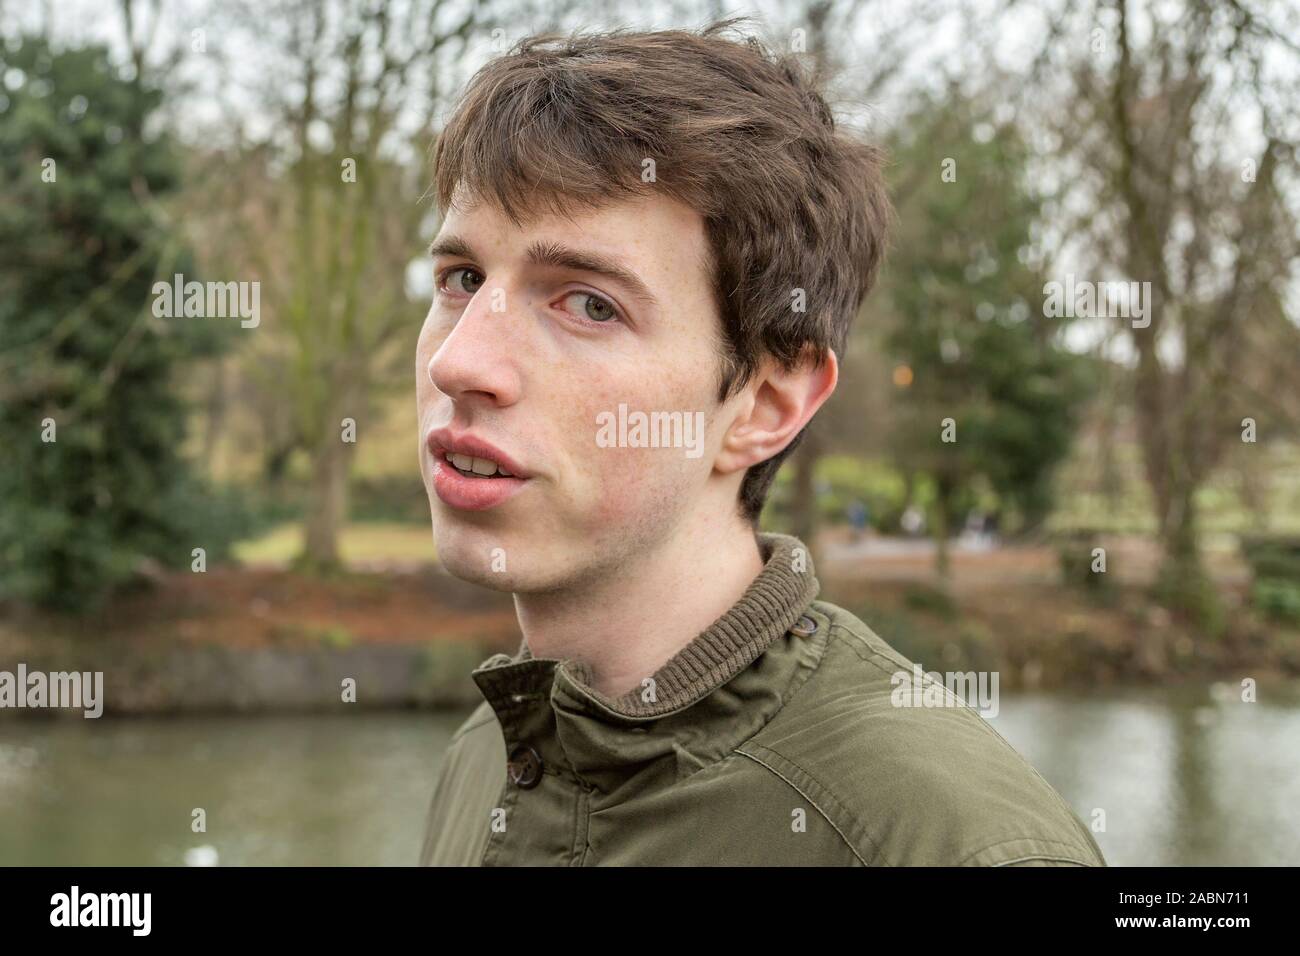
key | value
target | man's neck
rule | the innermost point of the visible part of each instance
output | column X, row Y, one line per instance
column 627, row 624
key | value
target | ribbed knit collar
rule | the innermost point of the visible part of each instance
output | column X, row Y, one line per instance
column 769, row 608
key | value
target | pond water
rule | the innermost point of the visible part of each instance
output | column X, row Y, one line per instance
column 1183, row 777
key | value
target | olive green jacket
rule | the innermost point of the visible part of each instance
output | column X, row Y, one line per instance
column 772, row 738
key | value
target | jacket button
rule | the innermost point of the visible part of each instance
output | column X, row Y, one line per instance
column 524, row 767
column 804, row 627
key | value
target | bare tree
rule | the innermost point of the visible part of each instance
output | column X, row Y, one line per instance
column 324, row 208
column 327, row 204
column 1181, row 124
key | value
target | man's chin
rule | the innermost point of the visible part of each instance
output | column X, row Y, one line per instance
column 477, row 574
column 477, row 555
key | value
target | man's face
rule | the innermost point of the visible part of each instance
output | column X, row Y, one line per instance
column 525, row 353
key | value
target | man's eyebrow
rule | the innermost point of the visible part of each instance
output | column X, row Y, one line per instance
column 563, row 257
column 450, row 246
column 559, row 256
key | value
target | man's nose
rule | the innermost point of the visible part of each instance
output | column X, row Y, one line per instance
column 478, row 358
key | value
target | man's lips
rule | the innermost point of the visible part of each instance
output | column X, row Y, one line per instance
column 442, row 441
column 466, row 492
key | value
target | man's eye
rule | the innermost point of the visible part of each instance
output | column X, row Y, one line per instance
column 596, row 309
column 463, row 279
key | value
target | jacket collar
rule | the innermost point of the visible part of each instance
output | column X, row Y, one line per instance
column 702, row 702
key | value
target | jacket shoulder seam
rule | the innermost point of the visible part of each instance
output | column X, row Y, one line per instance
column 871, row 656
column 803, row 791
column 1029, row 856
column 838, row 630
column 1046, row 859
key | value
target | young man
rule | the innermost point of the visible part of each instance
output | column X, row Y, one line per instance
column 654, row 245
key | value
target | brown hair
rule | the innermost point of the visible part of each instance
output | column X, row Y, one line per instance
column 739, row 134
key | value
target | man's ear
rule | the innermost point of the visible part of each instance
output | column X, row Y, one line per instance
column 773, row 407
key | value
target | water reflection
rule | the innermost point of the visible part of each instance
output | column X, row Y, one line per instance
column 1182, row 779
column 306, row 790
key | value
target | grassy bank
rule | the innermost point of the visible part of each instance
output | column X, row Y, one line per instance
column 264, row 638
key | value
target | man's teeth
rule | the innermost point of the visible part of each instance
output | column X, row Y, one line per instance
column 482, row 467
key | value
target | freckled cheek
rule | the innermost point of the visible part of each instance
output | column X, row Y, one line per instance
column 577, row 414
column 613, row 485
column 605, row 483
column 629, row 481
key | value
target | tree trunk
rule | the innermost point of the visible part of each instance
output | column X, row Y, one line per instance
column 942, row 522
column 215, row 417
column 326, row 505
column 1182, row 582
